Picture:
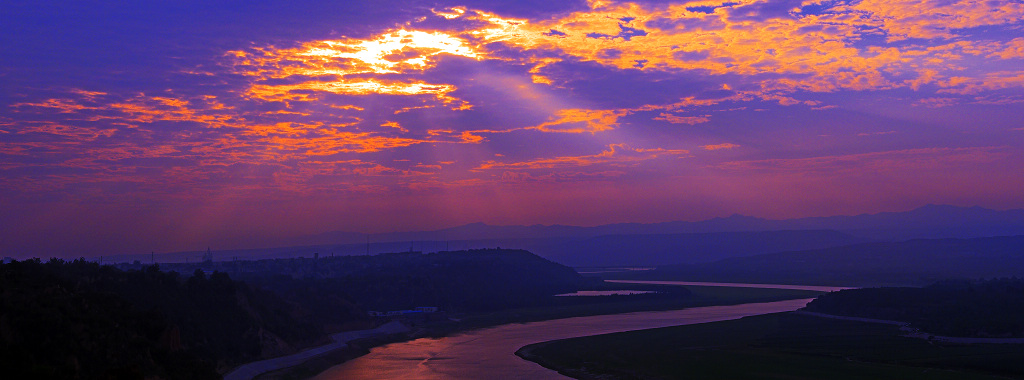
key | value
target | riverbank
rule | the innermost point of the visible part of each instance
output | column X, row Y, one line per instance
column 314, row 366
column 911, row 332
column 706, row 294
column 339, row 347
column 528, row 353
column 783, row 345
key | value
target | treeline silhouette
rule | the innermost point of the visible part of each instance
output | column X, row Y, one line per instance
column 460, row 281
column 962, row 308
column 81, row 320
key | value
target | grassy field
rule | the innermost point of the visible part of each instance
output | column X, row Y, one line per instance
column 775, row 346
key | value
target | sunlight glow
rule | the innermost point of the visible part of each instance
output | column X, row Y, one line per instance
column 352, row 63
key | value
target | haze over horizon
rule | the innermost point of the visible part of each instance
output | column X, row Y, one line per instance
column 556, row 240
column 168, row 126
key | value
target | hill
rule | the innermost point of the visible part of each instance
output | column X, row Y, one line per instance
column 928, row 222
column 469, row 280
column 931, row 221
column 978, row 309
column 915, row 262
column 605, row 250
column 661, row 249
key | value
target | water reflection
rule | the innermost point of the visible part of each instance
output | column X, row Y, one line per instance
column 489, row 353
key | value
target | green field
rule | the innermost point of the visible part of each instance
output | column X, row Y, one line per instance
column 775, row 346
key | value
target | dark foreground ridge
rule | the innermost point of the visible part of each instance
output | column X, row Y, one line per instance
column 82, row 320
column 454, row 281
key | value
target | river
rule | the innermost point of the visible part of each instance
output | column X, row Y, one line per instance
column 734, row 285
column 489, row 353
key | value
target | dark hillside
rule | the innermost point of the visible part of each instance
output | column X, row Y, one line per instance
column 983, row 308
column 80, row 320
column 665, row 249
column 473, row 280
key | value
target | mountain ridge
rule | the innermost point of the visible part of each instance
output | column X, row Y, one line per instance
column 914, row 262
column 926, row 222
column 928, row 216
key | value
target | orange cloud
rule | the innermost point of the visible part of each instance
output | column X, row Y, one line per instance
column 675, row 119
column 773, row 57
column 821, row 49
column 581, row 121
column 349, row 66
column 923, row 46
column 720, row 146
column 1011, row 50
column 82, row 134
column 219, row 136
column 928, row 19
column 988, row 82
column 395, row 125
column 616, row 155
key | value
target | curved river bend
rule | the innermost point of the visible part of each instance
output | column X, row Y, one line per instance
column 490, row 353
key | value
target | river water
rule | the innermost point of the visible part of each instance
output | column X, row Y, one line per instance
column 489, row 353
column 734, row 285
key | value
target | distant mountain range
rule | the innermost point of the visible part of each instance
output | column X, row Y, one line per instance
column 655, row 243
column 598, row 251
column 913, row 262
column 931, row 221
column 661, row 249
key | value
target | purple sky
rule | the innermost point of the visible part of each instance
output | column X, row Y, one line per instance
column 133, row 126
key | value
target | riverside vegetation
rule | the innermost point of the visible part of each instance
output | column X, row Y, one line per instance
column 81, row 320
column 796, row 346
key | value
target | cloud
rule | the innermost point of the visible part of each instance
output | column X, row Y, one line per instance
column 581, row 121
column 864, row 134
column 988, row 82
column 886, row 161
column 930, row 19
column 181, row 141
column 820, row 51
column 720, row 146
column 617, row 155
column 675, row 119
column 937, row 102
column 428, row 104
column 349, row 66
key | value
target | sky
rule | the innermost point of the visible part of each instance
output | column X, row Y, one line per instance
column 138, row 126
